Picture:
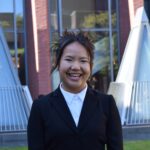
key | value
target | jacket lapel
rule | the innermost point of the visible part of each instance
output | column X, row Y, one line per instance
column 63, row 110
column 88, row 109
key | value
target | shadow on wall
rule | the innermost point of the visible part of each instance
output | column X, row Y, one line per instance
column 147, row 8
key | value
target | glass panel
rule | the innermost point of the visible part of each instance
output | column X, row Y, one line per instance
column 54, row 36
column 6, row 20
column 19, row 7
column 53, row 15
column 53, row 53
column 6, row 14
column 101, row 67
column 6, row 6
column 78, row 15
column 116, row 54
column 20, row 41
column 10, row 41
column 114, row 13
column 21, row 58
column 19, row 22
column 19, row 15
column 55, row 74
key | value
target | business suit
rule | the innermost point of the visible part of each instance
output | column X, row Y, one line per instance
column 51, row 126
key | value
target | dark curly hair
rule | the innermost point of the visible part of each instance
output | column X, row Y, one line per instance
column 68, row 38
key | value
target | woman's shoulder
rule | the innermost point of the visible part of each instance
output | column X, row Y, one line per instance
column 99, row 93
column 103, row 98
column 44, row 99
column 105, row 101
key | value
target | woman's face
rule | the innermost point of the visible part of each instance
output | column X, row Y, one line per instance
column 74, row 67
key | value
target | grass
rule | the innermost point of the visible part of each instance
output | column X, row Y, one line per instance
column 137, row 145
column 128, row 145
column 14, row 148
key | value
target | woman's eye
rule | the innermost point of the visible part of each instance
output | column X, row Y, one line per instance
column 68, row 59
column 84, row 61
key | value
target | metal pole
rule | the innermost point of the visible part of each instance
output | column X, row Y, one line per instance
column 15, row 35
column 118, row 35
column 59, row 12
column 25, row 45
column 110, row 42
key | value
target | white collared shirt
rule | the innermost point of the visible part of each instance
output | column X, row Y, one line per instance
column 74, row 102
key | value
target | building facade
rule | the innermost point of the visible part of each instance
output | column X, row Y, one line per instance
column 32, row 26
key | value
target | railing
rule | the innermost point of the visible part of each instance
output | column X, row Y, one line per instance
column 139, row 111
column 14, row 109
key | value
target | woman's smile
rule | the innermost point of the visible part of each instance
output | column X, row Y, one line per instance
column 74, row 76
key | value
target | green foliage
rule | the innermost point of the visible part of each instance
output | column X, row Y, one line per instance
column 19, row 21
column 8, row 23
column 98, row 20
column 20, row 51
column 5, row 24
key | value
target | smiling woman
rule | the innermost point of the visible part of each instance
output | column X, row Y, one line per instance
column 74, row 116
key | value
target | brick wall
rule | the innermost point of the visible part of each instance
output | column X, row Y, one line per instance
column 38, row 47
column 124, row 23
column 32, row 76
column 43, row 45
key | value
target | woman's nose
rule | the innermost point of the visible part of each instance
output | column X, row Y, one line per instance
column 75, row 65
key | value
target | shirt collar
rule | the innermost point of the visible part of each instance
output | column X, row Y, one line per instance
column 69, row 96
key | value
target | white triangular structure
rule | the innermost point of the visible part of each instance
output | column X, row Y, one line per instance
column 8, row 74
column 132, row 86
column 15, row 99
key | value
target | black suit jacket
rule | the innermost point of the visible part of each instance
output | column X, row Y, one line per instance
column 51, row 126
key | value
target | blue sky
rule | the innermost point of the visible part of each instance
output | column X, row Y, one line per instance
column 7, row 6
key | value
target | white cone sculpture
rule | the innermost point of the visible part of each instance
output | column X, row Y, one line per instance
column 131, row 89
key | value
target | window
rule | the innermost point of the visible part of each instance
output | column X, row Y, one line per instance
column 93, row 17
column 12, row 21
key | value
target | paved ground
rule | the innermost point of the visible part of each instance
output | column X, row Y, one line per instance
column 13, row 139
column 129, row 133
column 136, row 132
